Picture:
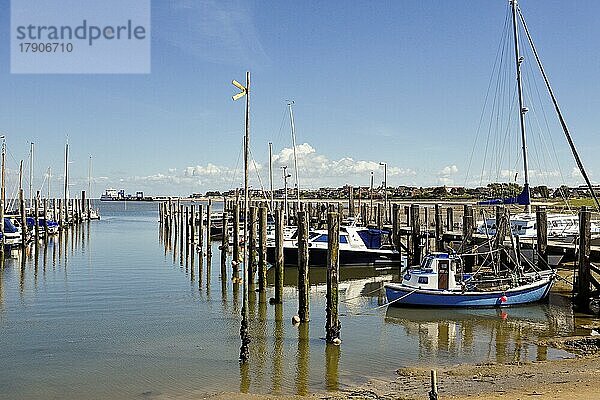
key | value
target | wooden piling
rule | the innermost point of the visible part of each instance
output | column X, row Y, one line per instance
column 236, row 235
column 332, row 326
column 415, row 234
column 224, row 244
column 84, row 212
column 426, row 223
column 23, row 219
column 262, row 248
column 58, row 214
column 449, row 219
column 187, row 234
column 584, row 278
column 193, row 226
column 181, row 233
column 36, row 211
column 279, row 256
column 45, row 220
column 351, row 202
column 252, row 225
column 541, row 217
column 468, row 236
column 209, row 233
column 303, row 284
column 439, row 228
column 396, row 233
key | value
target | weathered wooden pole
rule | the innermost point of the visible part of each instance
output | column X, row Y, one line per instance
column 252, row 255
column 439, row 228
column 583, row 274
column 187, row 234
column 332, row 326
column 468, row 235
column 45, row 220
column 415, row 239
column 58, row 214
column 224, row 244
column 23, row 219
column 193, row 226
column 181, row 232
column 303, row 284
column 351, row 202
column 397, row 235
column 449, row 219
column 379, row 216
column 262, row 248
column 209, row 233
column 84, row 212
column 36, row 222
column 236, row 235
column 279, row 256
column 541, row 217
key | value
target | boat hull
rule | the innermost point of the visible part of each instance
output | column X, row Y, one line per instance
column 402, row 296
column 318, row 257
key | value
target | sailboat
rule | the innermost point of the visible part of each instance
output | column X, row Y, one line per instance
column 441, row 280
column 560, row 226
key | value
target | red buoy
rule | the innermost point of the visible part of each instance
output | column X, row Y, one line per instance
column 503, row 299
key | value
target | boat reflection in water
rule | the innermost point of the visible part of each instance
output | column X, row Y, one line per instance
column 491, row 335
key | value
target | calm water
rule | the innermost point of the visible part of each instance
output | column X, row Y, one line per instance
column 106, row 312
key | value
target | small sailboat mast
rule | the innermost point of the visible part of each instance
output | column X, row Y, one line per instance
column 563, row 124
column 90, row 177
column 31, row 175
column 2, row 191
column 66, row 192
column 290, row 104
column 271, row 175
column 522, row 108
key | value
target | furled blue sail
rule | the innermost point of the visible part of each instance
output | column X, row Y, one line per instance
column 522, row 199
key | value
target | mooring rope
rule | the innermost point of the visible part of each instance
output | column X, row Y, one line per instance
column 367, row 312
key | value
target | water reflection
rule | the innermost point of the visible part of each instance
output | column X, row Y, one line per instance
column 303, row 359
column 332, row 362
column 500, row 335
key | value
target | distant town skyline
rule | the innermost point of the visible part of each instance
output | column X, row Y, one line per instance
column 402, row 83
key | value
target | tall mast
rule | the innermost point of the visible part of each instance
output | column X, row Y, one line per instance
column 49, row 177
column 522, row 109
column 3, row 188
column 285, row 199
column 271, row 174
column 31, row 175
column 295, row 156
column 90, row 178
column 66, row 193
column 2, row 193
column 560, row 116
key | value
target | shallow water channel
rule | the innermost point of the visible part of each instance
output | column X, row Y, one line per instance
column 104, row 311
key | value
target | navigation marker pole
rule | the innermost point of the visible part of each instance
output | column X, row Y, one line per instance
column 245, row 91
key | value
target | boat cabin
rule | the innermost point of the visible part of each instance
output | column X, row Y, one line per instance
column 439, row 271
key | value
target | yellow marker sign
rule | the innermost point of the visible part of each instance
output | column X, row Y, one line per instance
column 241, row 87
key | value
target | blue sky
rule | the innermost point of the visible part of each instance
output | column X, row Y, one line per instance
column 402, row 82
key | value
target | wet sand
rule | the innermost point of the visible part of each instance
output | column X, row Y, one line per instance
column 565, row 379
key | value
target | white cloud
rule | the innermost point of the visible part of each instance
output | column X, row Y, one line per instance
column 314, row 169
column 449, row 170
column 445, row 176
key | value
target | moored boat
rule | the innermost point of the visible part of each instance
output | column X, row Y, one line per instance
column 358, row 246
column 440, row 282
